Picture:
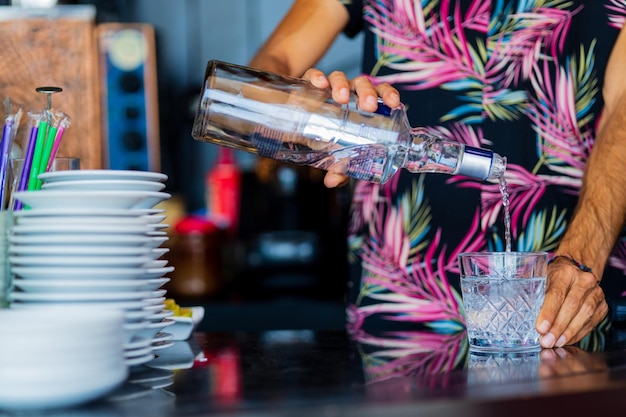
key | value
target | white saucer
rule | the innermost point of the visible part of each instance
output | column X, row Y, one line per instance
column 85, row 285
column 88, row 220
column 90, row 199
column 102, row 174
column 147, row 374
column 108, row 185
column 62, row 227
column 139, row 360
column 67, row 251
column 154, row 305
column 81, row 211
column 67, row 273
column 157, row 263
column 89, row 239
column 161, row 337
column 81, row 261
column 141, row 351
column 178, row 356
column 162, row 344
column 160, row 315
column 152, row 273
column 152, row 329
column 137, row 343
column 78, row 296
column 124, row 306
column 42, row 394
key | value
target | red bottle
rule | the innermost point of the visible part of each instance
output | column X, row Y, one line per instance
column 223, row 189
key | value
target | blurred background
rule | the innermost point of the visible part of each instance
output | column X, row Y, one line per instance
column 277, row 258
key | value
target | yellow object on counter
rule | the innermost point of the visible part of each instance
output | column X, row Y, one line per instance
column 170, row 304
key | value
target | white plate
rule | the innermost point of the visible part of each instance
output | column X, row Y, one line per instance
column 161, row 337
column 82, row 261
column 102, row 174
column 162, row 345
column 133, row 353
column 86, row 220
column 78, row 296
column 85, row 239
column 63, row 391
column 68, row 251
column 125, row 306
column 90, row 199
column 157, row 263
column 79, row 286
column 139, row 360
column 137, row 343
column 155, row 283
column 178, row 356
column 80, row 211
column 86, row 273
column 152, row 329
column 152, row 273
column 105, row 185
column 154, row 305
column 160, row 315
column 58, row 227
column 133, row 316
column 147, row 374
column 158, row 293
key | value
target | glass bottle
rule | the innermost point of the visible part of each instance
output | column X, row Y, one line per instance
column 222, row 189
column 290, row 120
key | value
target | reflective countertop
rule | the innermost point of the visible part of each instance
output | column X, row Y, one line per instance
column 329, row 373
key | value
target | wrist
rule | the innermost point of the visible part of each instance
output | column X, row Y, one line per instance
column 561, row 258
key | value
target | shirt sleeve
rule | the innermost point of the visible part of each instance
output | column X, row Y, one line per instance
column 355, row 9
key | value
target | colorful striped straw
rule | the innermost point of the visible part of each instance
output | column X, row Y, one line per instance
column 63, row 124
column 42, row 132
column 46, row 133
column 9, row 131
column 28, row 157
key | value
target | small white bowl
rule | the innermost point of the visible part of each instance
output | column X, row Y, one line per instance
column 184, row 326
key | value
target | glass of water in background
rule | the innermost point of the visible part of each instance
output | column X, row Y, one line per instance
column 502, row 295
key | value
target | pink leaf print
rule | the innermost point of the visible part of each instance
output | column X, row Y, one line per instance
column 417, row 354
column 427, row 57
column 556, row 120
column 526, row 35
column 618, row 15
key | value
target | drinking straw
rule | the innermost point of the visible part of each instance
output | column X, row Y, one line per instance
column 28, row 158
column 42, row 131
column 53, row 127
column 63, row 124
column 5, row 150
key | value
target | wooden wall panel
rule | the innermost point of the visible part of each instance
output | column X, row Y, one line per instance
column 55, row 50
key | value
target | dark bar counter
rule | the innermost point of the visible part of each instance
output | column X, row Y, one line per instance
column 329, row 373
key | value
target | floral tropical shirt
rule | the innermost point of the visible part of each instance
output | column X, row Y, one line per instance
column 520, row 77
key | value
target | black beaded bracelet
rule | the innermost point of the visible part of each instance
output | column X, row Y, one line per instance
column 580, row 266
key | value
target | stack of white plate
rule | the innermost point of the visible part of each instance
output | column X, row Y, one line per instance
column 59, row 356
column 95, row 237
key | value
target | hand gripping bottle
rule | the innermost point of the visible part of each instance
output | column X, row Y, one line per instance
column 290, row 120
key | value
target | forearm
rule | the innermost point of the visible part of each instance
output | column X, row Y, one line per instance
column 601, row 210
column 303, row 36
column 269, row 63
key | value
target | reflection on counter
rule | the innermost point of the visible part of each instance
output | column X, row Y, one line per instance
column 313, row 373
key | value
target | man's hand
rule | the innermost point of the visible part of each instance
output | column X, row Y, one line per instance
column 573, row 306
column 367, row 96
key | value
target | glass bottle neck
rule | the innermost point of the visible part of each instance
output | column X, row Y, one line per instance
column 428, row 152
